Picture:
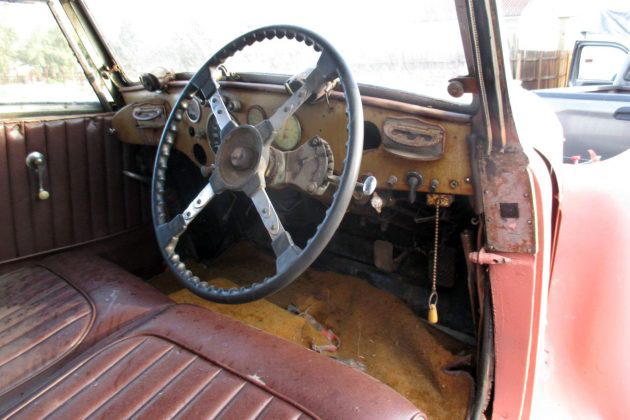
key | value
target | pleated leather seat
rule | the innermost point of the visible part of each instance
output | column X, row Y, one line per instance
column 80, row 338
column 188, row 362
column 52, row 310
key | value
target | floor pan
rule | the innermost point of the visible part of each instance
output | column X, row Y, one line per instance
column 376, row 332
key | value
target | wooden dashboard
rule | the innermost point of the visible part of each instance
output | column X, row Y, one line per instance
column 386, row 157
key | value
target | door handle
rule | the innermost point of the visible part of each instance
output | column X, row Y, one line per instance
column 36, row 162
column 623, row 113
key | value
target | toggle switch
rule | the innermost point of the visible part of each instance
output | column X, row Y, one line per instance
column 414, row 180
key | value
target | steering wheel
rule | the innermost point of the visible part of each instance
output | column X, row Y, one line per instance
column 244, row 159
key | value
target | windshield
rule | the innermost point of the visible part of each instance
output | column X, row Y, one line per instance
column 413, row 46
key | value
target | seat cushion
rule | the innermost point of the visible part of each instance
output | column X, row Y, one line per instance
column 66, row 303
column 192, row 363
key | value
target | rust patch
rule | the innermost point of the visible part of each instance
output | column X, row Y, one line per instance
column 507, row 202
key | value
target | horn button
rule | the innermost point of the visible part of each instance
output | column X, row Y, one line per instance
column 239, row 156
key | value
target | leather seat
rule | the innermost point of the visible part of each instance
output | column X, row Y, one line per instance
column 189, row 362
column 51, row 311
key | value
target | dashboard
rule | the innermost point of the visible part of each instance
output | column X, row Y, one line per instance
column 399, row 138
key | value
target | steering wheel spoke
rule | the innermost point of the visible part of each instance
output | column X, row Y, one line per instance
column 221, row 114
column 281, row 240
column 168, row 233
column 315, row 82
column 325, row 71
column 205, row 83
column 198, row 204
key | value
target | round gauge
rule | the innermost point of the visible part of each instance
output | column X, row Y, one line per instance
column 255, row 115
column 193, row 112
column 289, row 135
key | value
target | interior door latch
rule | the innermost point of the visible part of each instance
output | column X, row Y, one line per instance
column 36, row 162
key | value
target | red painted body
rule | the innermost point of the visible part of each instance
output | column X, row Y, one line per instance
column 586, row 369
column 562, row 326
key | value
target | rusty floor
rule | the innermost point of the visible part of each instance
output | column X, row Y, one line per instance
column 379, row 334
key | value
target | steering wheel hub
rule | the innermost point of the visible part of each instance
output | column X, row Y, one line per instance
column 239, row 156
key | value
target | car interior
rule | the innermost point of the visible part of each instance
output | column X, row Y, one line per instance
column 243, row 245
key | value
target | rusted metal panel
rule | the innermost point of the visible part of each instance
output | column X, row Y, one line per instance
column 507, row 202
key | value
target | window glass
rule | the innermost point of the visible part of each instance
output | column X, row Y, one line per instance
column 600, row 62
column 408, row 45
column 36, row 63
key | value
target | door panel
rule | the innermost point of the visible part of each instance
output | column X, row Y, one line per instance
column 89, row 196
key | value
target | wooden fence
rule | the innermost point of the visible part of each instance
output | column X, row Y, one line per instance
column 540, row 69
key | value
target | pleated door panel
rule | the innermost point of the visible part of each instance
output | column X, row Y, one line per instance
column 90, row 198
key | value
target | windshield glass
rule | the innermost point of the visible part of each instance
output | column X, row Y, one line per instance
column 408, row 45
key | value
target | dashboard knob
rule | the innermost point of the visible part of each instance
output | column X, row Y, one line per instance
column 365, row 188
column 369, row 185
column 434, row 185
column 414, row 180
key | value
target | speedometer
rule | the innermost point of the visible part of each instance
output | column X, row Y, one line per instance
column 289, row 135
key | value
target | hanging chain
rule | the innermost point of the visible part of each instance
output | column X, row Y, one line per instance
column 433, row 297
